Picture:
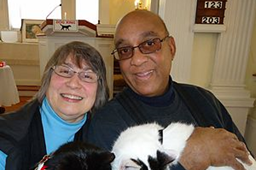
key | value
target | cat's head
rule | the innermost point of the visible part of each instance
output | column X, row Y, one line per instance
column 160, row 162
column 78, row 156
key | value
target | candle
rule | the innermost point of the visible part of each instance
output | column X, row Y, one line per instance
column 65, row 16
column 136, row 4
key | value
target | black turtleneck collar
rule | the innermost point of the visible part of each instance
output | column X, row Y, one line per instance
column 158, row 101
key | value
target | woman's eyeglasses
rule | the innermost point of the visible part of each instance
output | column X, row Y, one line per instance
column 146, row 47
column 67, row 72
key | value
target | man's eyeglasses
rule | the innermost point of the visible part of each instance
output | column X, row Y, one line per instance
column 146, row 47
column 67, row 72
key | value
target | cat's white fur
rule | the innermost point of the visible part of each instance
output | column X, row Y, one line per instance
column 141, row 141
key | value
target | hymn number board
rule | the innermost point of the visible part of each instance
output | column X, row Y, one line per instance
column 210, row 12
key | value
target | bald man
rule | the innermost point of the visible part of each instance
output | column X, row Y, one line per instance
column 145, row 51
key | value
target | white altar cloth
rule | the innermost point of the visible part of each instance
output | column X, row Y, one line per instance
column 8, row 90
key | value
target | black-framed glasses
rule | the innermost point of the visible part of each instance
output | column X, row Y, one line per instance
column 64, row 71
column 146, row 47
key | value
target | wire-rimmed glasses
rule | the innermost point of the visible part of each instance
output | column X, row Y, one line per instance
column 146, row 47
column 64, row 71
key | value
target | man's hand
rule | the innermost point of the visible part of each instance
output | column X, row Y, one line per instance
column 213, row 147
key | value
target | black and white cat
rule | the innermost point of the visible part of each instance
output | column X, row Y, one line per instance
column 152, row 147
column 77, row 156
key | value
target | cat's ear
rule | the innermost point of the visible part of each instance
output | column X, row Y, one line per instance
column 163, row 158
column 130, row 164
column 107, row 157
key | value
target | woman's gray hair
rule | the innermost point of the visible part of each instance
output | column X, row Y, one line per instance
column 81, row 52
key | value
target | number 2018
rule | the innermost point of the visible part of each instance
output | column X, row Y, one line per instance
column 210, row 20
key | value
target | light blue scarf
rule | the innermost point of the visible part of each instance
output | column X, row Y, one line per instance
column 56, row 130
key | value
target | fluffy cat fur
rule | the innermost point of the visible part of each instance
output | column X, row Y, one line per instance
column 142, row 148
column 78, row 156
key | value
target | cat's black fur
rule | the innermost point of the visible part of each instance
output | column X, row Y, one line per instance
column 65, row 27
column 79, row 156
column 159, row 163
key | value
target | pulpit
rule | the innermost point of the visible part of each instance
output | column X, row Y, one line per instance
column 79, row 30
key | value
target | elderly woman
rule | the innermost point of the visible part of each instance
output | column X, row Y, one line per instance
column 73, row 87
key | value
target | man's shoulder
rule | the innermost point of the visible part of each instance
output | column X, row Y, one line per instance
column 189, row 86
column 193, row 89
column 112, row 112
column 112, row 107
column 114, row 104
column 111, row 104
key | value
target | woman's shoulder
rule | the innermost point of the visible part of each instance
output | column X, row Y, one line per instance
column 14, row 125
column 23, row 112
